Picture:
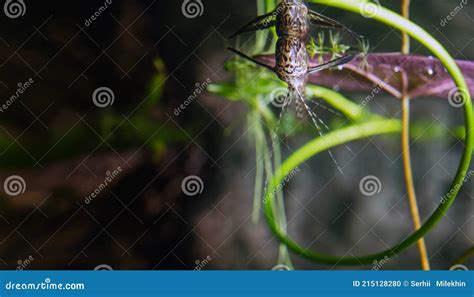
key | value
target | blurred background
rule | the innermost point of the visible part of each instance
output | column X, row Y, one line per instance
column 105, row 114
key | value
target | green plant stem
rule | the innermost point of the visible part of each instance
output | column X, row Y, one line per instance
column 270, row 6
column 466, row 255
column 261, row 35
column 376, row 127
column 259, row 167
column 354, row 132
column 266, row 115
column 351, row 110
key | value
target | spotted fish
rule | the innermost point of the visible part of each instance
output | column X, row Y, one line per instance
column 292, row 19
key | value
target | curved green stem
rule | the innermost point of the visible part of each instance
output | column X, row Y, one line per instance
column 263, row 113
column 375, row 127
column 465, row 256
column 354, row 132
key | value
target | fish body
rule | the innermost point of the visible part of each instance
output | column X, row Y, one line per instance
column 291, row 19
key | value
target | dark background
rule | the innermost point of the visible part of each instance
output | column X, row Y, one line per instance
column 151, row 56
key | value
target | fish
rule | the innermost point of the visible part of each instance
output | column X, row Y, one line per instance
column 292, row 19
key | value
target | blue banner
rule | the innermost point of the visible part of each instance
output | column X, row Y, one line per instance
column 236, row 283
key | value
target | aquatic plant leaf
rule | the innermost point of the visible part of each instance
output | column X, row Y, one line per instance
column 394, row 73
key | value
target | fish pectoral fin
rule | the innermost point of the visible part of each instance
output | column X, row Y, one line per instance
column 259, row 23
column 251, row 59
column 326, row 22
column 339, row 61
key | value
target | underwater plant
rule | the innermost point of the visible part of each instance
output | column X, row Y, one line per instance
column 397, row 74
